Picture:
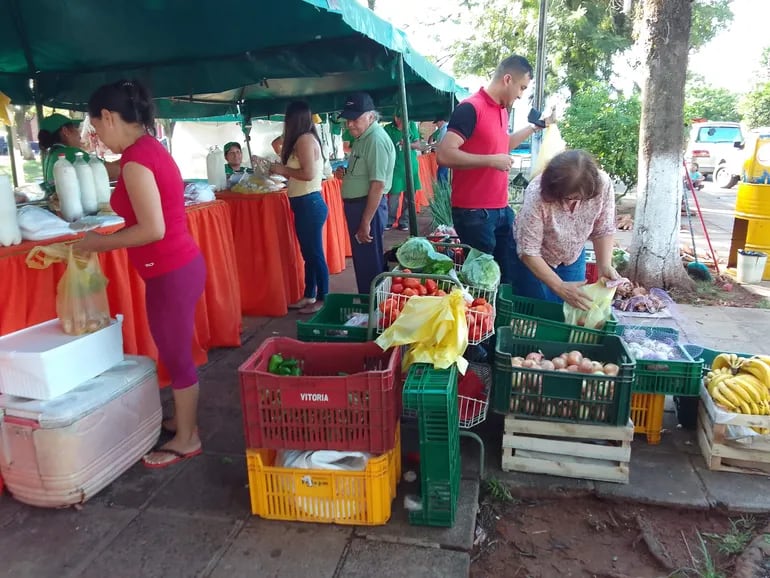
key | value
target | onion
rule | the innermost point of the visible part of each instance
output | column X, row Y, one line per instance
column 535, row 356
column 547, row 365
column 585, row 366
column 598, row 372
column 574, row 358
column 572, row 368
column 516, row 361
column 559, row 362
column 596, row 366
column 528, row 363
column 611, row 369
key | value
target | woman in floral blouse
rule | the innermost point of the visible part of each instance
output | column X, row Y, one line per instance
column 571, row 202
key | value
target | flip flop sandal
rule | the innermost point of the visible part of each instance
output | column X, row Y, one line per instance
column 178, row 457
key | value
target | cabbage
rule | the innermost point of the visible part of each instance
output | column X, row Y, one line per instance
column 418, row 254
column 481, row 270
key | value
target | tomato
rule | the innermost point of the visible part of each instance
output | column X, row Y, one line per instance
column 422, row 290
column 388, row 306
column 409, row 292
column 479, row 309
column 431, row 286
column 475, row 333
column 406, row 270
column 479, row 301
column 440, row 293
column 411, row 282
column 398, row 280
column 397, row 288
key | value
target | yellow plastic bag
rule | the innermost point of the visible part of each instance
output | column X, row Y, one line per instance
column 601, row 306
column 551, row 146
column 435, row 327
column 81, row 295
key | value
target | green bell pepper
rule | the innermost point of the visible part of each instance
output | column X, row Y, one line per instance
column 275, row 363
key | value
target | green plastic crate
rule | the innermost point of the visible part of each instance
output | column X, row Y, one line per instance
column 328, row 324
column 543, row 320
column 671, row 377
column 561, row 396
column 432, row 395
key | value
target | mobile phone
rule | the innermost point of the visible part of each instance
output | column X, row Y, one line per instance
column 534, row 118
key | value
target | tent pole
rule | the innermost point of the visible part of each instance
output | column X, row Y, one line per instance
column 409, row 192
column 12, row 156
column 39, row 113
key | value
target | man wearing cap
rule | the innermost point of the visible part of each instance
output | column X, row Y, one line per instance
column 476, row 146
column 234, row 158
column 368, row 179
column 395, row 131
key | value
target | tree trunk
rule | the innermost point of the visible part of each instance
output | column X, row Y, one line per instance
column 664, row 38
column 371, row 4
column 22, row 141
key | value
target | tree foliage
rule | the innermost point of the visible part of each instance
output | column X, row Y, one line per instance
column 582, row 39
column 705, row 101
column 756, row 106
column 605, row 123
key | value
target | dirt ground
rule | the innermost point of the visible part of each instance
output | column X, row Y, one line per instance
column 587, row 537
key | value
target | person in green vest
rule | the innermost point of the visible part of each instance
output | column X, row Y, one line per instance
column 395, row 132
column 61, row 135
column 234, row 158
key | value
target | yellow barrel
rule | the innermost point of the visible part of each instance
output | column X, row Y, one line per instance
column 753, row 204
column 756, row 168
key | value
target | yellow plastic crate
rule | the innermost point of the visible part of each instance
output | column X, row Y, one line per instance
column 647, row 415
column 324, row 496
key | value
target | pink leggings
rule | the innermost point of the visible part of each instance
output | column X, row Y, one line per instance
column 171, row 299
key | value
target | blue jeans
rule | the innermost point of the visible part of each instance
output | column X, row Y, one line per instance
column 368, row 258
column 490, row 231
column 527, row 285
column 310, row 214
column 443, row 174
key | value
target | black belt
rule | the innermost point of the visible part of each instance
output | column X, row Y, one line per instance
column 357, row 199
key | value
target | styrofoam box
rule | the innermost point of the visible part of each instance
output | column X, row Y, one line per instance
column 63, row 451
column 42, row 362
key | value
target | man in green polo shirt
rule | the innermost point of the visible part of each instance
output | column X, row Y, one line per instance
column 368, row 179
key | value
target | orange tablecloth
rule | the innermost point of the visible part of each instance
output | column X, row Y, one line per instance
column 29, row 295
column 270, row 268
column 428, row 168
column 336, row 237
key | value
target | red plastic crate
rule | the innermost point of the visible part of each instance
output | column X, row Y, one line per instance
column 348, row 398
column 592, row 273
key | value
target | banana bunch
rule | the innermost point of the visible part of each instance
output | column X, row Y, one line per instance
column 741, row 385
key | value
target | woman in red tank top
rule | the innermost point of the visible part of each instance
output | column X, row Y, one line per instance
column 149, row 196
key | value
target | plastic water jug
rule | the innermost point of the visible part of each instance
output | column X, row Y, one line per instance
column 68, row 189
column 9, row 225
column 86, row 182
column 101, row 180
column 215, row 168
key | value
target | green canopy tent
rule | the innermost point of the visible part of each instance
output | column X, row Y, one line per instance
column 55, row 53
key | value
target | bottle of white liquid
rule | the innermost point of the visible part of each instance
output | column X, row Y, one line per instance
column 101, row 180
column 65, row 179
column 215, row 168
column 86, row 182
column 9, row 225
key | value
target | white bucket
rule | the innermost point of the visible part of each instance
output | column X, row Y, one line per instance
column 751, row 266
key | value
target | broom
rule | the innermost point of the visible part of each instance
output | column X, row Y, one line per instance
column 695, row 269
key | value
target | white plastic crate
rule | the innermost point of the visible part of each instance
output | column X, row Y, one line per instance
column 43, row 362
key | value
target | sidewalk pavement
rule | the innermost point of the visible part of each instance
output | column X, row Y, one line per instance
column 193, row 519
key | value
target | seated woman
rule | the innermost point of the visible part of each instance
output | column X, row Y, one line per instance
column 571, row 202
column 234, row 158
column 61, row 135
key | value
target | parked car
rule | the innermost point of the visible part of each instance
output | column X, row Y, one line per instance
column 717, row 148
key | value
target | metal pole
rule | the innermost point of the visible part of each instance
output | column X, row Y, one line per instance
column 12, row 156
column 39, row 113
column 539, row 100
column 409, row 193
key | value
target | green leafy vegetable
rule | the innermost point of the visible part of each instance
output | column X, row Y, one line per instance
column 481, row 270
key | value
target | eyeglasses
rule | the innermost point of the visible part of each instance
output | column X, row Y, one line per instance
column 352, row 162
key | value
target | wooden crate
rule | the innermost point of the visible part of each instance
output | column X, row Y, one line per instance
column 591, row 452
column 722, row 454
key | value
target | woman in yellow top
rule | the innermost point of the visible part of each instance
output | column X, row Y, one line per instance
column 302, row 163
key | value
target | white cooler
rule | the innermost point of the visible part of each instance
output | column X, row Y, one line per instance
column 61, row 452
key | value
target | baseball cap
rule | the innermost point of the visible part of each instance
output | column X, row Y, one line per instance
column 54, row 122
column 357, row 104
column 230, row 145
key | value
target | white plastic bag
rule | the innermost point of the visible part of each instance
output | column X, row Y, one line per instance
column 322, row 460
column 551, row 146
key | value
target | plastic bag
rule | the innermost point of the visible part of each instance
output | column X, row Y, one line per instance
column 81, row 294
column 435, row 327
column 601, row 295
column 322, row 460
column 551, row 146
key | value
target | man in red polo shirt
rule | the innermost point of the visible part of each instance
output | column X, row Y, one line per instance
column 477, row 147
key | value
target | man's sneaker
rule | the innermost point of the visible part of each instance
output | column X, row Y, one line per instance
column 388, row 227
column 403, row 227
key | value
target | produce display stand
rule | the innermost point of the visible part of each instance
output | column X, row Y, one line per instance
column 568, row 450
column 328, row 324
column 723, row 454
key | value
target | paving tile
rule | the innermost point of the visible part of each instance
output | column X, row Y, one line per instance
column 162, row 545
column 398, row 529
column 27, row 537
column 735, row 492
column 211, row 485
column 369, row 559
column 267, row 548
column 222, row 430
column 135, row 487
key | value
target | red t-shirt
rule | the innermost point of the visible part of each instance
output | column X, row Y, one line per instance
column 177, row 247
column 483, row 124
